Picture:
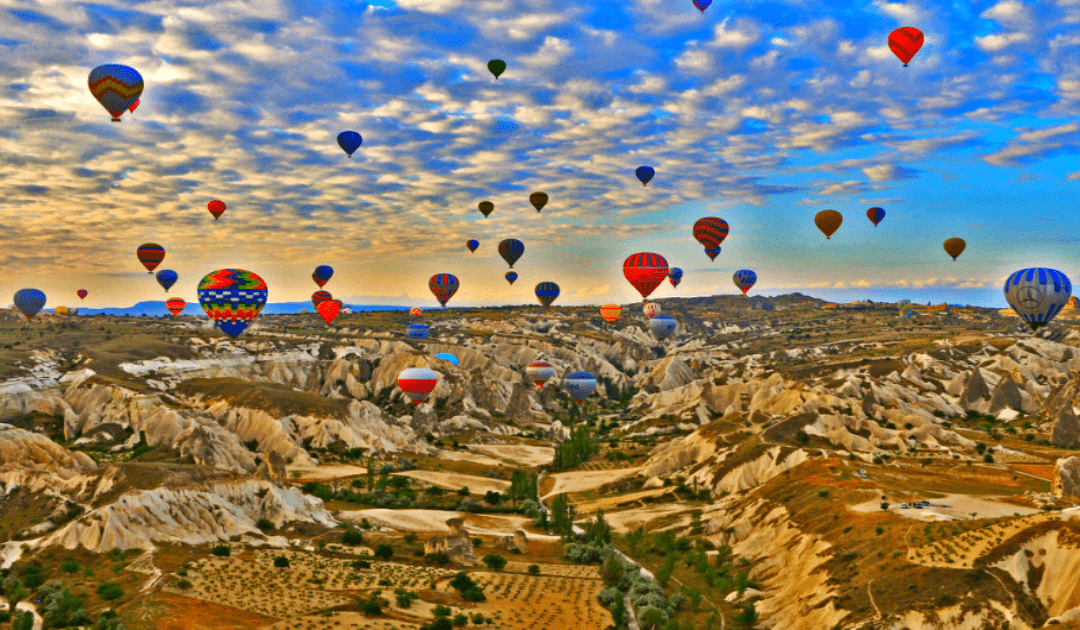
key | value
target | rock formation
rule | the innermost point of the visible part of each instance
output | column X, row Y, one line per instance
column 1066, row 484
column 456, row 544
column 1066, row 430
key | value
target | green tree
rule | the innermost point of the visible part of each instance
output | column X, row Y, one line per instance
column 24, row 621
column 495, row 562
column 384, row 552
column 70, row 565
column 109, row 591
column 597, row 530
column 747, row 617
column 281, row 562
column 223, row 551
column 611, row 570
column 352, row 537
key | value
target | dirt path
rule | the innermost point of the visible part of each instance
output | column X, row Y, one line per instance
column 872, row 602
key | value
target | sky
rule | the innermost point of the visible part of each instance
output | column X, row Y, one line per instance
column 762, row 113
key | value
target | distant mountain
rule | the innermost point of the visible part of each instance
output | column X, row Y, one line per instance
column 153, row 309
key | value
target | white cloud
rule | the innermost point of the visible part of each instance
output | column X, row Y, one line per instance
column 996, row 42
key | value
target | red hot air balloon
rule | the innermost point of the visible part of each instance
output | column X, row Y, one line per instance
column 175, row 306
column 415, row 311
column 82, row 294
column 443, row 286
column 710, row 232
column 216, row 208
column 329, row 310
column 905, row 42
column 645, row 271
column 319, row 297
column 417, row 383
column 150, row 255
column 134, row 105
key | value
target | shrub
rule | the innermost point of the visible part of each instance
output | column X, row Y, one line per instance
column 438, row 557
column 495, row 562
column 281, row 562
column 352, row 537
column 70, row 565
column 474, row 594
column 441, row 611
column 384, row 552
column 110, row 591
column 222, row 551
column 405, row 598
column 880, row 530
column 360, row 564
column 442, row 623
column 823, row 493
column 460, row 620
column 884, row 505
column 370, row 607
column 476, row 542
column 264, row 524
column 534, row 569
column 462, row 582
column 478, row 618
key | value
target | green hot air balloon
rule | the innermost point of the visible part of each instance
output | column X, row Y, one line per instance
column 497, row 67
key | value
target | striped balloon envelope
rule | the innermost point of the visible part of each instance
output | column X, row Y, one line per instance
column 511, row 250
column 511, row 276
column 610, row 312
column 710, row 232
column 1037, row 294
column 319, row 297
column 443, row 286
column 417, row 383
column 417, row 331
column 322, row 274
column 175, row 306
column 651, row 309
column 150, row 255
column 539, row 372
column 645, row 271
column 546, row 292
column 233, row 298
column 116, row 87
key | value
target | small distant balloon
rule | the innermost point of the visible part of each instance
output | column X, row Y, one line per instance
column 610, row 312
column 744, row 279
column 417, row 331
column 443, row 286
column 511, row 276
column 415, row 311
column 486, row 207
column 651, row 309
column 662, row 326
column 216, row 208
column 905, row 42
column 702, row 4
column 29, row 302
column 150, row 255
column 828, row 221
column 511, row 250
column 579, row 385
column 82, row 294
column 539, row 372
column 955, row 246
column 675, row 276
column 710, row 232
column 329, row 310
column 538, row 200
column 875, row 215
column 135, row 105
column 497, row 67
column 175, row 305
column 645, row 174
column 546, row 292
column 166, row 278
column 63, row 311
column 472, row 244
column 322, row 274
column 349, row 141
column 116, row 87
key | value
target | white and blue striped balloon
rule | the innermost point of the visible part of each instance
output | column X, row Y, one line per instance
column 1037, row 294
column 579, row 385
column 417, row 331
column 662, row 326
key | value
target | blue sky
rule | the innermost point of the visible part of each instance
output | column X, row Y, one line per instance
column 762, row 113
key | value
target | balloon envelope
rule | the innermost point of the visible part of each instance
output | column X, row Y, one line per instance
column 497, row 67
column 675, row 276
column 322, row 274
column 150, row 255
column 166, row 278
column 415, row 311
column 116, row 87
column 539, row 372
column 486, row 207
column 417, row 331
column 538, row 200
column 651, row 309
column 905, row 42
column 62, row 310
column 710, row 232
column 546, row 292
column 319, row 297
column 443, row 286
column 645, row 271
column 511, row 250
column 446, row 356
column 828, row 221
column 579, row 385
column 702, row 4
column 216, row 208
column 955, row 246
column 744, row 279
column 662, row 326
column 472, row 244
column 511, row 276
column 82, row 294
column 1037, row 294
column 349, row 141
column 610, row 312
column 417, row 383
column 329, row 310
column 175, row 306
column 233, row 298
column 875, row 215
column 29, row 301
column 645, row 174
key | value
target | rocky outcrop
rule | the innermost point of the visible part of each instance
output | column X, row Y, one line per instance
column 272, row 469
column 517, row 541
column 24, row 449
column 456, row 544
column 1006, row 395
column 1066, row 483
column 975, row 394
column 1066, row 430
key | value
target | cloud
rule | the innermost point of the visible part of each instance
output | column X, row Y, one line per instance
column 888, row 172
column 1034, row 143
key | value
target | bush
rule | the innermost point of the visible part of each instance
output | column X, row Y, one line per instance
column 384, row 552
column 264, row 524
column 182, row 584
column 352, row 537
column 405, row 598
column 360, row 564
column 474, row 594
column 462, row 582
column 495, row 562
column 281, row 562
column 70, row 565
column 222, row 551
column 442, row 623
column 438, row 558
column 478, row 618
column 460, row 620
column 534, row 569
column 823, row 493
column 110, row 591
column 370, row 607
column 441, row 611
column 476, row 542
column 884, row 505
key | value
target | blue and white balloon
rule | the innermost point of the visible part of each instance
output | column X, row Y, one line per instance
column 417, row 331
column 579, row 385
column 1037, row 294
column 662, row 326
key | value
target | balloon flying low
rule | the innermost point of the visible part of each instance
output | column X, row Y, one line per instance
column 233, row 298
column 443, row 286
column 645, row 271
column 349, row 141
column 29, row 302
column 319, row 297
column 415, row 311
column 905, row 42
column 710, row 232
column 645, row 174
column 416, row 331
column 610, row 312
column 116, row 87
column 446, row 356
column 150, row 255
column 539, row 372
column 511, row 276
column 216, row 208
column 166, row 278
column 546, row 292
column 579, row 385
column 651, row 309
column 417, row 383
column 828, row 221
column 744, row 279
column 175, row 306
column 1037, row 294
column 662, row 326
column 329, row 310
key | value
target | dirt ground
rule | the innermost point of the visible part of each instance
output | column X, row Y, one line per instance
column 466, row 456
column 454, row 481
column 434, row 521
column 628, row 520
column 518, row 454
column 583, row 481
column 951, row 507
column 325, row 473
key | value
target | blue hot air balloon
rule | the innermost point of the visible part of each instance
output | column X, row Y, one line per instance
column 166, row 278
column 875, row 215
column 233, row 298
column 511, row 276
column 511, row 249
column 472, row 244
column 546, row 292
column 744, row 279
column 349, row 141
column 662, row 326
column 645, row 174
column 322, row 274
column 579, row 385
column 675, row 276
column 417, row 331
column 29, row 302
column 1037, row 294
column 446, row 356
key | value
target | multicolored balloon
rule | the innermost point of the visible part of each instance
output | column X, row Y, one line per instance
column 233, row 298
column 702, row 4
column 645, row 271
column 29, row 302
column 166, row 278
column 472, row 244
column 546, row 292
column 710, row 232
column 662, row 326
column 349, row 141
column 116, row 87
column 905, row 42
column 828, row 221
column 651, row 309
column 955, row 246
column 610, row 312
column 511, row 250
column 539, row 372
column 744, row 279
column 415, row 311
column 82, row 294
column 446, row 356
column 175, row 306
column 322, row 274
column 319, row 297
column 538, row 200
column 1037, row 294
column 579, row 385
column 496, row 67
column 329, row 310
column 417, row 383
column 216, row 208
column 875, row 215
column 675, row 276
column 150, row 255
column 511, row 276
column 416, row 331
column 645, row 174
column 443, row 286
column 486, row 207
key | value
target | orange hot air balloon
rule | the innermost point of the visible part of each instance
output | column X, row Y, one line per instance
column 955, row 246
column 828, row 221
column 415, row 311
column 175, row 306
column 610, row 312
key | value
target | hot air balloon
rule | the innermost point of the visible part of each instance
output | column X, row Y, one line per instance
column 417, row 383
column 905, row 42
column 539, row 372
column 1037, row 294
column 511, row 276
column 216, row 208
column 645, row 174
column 702, row 4
column 538, row 200
column 150, row 255
column 329, row 310
column 233, row 298
column 651, row 309
column 610, row 312
column 497, row 67
column 903, row 306
column 579, row 385
column 116, row 87
column 166, row 278
column 29, row 302
column 546, row 292
column 349, row 141
column 416, row 331
column 710, row 232
column 511, row 250
column 744, row 279
column 446, row 356
column 322, row 274
column 955, row 246
column 875, row 215
column 319, row 297
column 675, row 276
column 82, row 294
column 472, row 244
column 415, row 311
column 828, row 221
column 135, row 105
column 62, row 311
column 444, row 286
column 175, row 306
column 645, row 271
column 662, row 326
column 486, row 207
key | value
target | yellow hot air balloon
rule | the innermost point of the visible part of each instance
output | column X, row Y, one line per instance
column 61, row 310
column 955, row 246
column 828, row 221
column 610, row 312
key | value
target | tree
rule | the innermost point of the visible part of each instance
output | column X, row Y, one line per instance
column 24, row 621
column 534, row 569
column 370, row 473
column 264, row 524
column 492, row 498
column 70, row 565
column 611, row 570
column 598, row 530
column 474, row 594
column 110, row 591
column 384, row 552
column 460, row 619
column 352, row 537
column 462, row 582
column 222, row 551
column 281, row 562
column 748, row 617
column 495, row 562
column 442, row 611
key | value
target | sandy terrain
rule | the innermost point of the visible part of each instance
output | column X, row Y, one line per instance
column 524, row 602
column 518, row 454
column 613, row 502
column 952, row 507
column 454, row 481
column 587, row 480
column 628, row 520
column 466, row 456
column 962, row 550
column 324, row 473
column 434, row 521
